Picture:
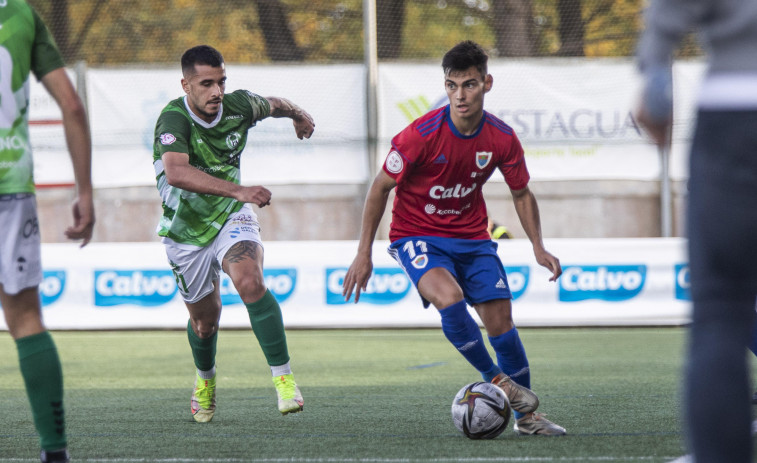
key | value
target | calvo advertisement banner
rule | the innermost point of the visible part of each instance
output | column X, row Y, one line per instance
column 604, row 282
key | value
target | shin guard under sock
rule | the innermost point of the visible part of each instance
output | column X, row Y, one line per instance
column 463, row 332
column 203, row 350
column 43, row 378
column 511, row 357
column 268, row 326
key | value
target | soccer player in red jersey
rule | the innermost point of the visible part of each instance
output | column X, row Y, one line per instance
column 437, row 166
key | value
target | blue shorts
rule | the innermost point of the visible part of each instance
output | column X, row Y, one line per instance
column 473, row 263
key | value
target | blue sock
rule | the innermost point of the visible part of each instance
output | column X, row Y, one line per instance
column 463, row 332
column 511, row 357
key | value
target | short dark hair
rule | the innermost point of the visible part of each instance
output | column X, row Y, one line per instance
column 201, row 54
column 464, row 55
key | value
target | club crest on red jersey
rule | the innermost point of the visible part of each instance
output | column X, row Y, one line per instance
column 483, row 158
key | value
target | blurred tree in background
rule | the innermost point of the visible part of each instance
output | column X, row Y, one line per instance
column 322, row 31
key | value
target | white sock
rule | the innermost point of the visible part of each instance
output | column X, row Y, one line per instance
column 207, row 374
column 279, row 370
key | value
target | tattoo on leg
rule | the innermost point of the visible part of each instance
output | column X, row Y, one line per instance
column 242, row 250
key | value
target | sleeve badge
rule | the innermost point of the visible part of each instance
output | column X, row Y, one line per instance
column 394, row 163
column 167, row 139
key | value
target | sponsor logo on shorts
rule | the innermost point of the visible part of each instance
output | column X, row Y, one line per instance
column 683, row 282
column 394, row 163
column 387, row 286
column 281, row 282
column 147, row 288
column 167, row 139
column 241, row 218
column 420, row 261
column 52, row 286
column 604, row 282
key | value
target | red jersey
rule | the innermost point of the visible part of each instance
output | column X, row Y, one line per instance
column 440, row 174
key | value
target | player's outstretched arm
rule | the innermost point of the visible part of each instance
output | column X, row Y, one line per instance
column 356, row 279
column 181, row 174
column 302, row 121
column 78, row 140
column 528, row 214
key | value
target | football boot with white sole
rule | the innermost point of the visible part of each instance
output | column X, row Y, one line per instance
column 536, row 424
column 203, row 404
column 290, row 398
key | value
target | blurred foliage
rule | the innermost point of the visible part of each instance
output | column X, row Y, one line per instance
column 148, row 31
column 433, row 26
column 611, row 26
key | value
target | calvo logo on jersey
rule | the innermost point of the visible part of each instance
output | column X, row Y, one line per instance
column 683, row 282
column 146, row 288
column 280, row 281
column 232, row 140
column 517, row 278
column 483, row 158
column 457, row 191
column 52, row 286
column 386, row 286
column 603, row 282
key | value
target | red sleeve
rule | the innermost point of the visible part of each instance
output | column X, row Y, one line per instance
column 406, row 148
column 514, row 167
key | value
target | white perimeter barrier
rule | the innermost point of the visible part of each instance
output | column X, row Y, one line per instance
column 604, row 282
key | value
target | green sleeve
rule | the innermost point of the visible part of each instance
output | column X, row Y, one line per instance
column 172, row 133
column 261, row 109
column 45, row 54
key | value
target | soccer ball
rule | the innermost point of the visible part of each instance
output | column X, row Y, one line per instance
column 481, row 411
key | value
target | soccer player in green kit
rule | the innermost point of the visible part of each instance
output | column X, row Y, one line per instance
column 27, row 47
column 208, row 223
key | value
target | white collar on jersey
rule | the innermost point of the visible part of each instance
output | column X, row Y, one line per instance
column 200, row 121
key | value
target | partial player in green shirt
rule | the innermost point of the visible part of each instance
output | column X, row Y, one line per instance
column 27, row 47
column 208, row 223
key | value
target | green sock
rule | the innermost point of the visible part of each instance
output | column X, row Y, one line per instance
column 43, row 377
column 203, row 350
column 268, row 326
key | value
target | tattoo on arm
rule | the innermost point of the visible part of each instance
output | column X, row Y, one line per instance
column 282, row 107
column 241, row 251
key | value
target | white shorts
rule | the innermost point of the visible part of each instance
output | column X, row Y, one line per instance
column 196, row 268
column 20, row 261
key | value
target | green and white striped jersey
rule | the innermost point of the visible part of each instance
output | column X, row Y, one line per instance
column 214, row 148
column 25, row 46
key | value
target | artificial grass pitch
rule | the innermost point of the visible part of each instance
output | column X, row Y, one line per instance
column 370, row 396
